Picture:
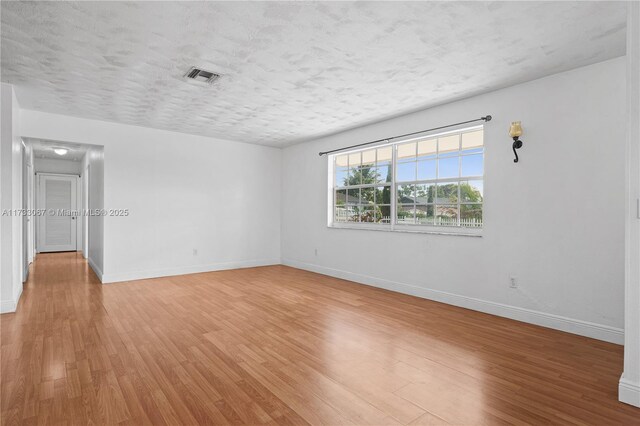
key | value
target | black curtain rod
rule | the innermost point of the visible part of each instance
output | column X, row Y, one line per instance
column 487, row 118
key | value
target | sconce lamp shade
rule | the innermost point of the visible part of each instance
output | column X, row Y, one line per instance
column 515, row 130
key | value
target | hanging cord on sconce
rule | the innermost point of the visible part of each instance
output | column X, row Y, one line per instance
column 486, row 118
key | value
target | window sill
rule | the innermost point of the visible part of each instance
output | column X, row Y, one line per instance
column 412, row 229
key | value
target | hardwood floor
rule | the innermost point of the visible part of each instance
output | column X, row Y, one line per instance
column 277, row 345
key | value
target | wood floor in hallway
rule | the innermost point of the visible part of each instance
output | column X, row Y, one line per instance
column 277, row 345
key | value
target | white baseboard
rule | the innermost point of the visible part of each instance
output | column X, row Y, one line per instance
column 557, row 322
column 95, row 268
column 192, row 269
column 8, row 306
column 20, row 288
column 629, row 392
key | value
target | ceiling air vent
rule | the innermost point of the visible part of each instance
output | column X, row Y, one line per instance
column 202, row 76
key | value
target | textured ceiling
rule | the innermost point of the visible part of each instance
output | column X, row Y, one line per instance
column 291, row 70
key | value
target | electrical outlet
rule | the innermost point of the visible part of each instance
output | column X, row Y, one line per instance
column 316, row 252
column 195, row 252
column 513, row 282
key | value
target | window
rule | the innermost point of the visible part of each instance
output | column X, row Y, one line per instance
column 433, row 181
column 363, row 186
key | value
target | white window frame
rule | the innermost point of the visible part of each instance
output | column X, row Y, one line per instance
column 393, row 226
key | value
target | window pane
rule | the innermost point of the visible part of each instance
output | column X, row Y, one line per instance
column 425, row 193
column 424, row 215
column 471, row 191
column 367, row 214
column 384, row 214
column 341, row 197
column 406, row 151
column 355, row 176
column 368, row 175
column 426, row 169
column 341, row 214
column 447, row 215
column 473, row 140
column 449, row 145
column 472, row 165
column 427, row 149
column 366, row 196
column 353, row 214
column 342, row 176
column 342, row 160
column 383, row 195
column 383, row 174
column 406, row 214
column 406, row 194
column 406, row 171
column 353, row 196
column 369, row 157
column 355, row 159
column 448, row 167
column 447, row 193
column 471, row 215
column 384, row 155
column 362, row 175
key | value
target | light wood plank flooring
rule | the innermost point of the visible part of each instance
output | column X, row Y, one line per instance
column 276, row 345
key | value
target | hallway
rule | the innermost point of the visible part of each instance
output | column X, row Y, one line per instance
column 282, row 346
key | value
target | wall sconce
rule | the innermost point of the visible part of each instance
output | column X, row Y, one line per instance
column 515, row 131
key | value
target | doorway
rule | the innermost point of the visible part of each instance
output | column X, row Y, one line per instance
column 68, row 184
column 57, row 197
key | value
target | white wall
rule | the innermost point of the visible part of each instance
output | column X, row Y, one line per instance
column 31, row 201
column 6, row 247
column 184, row 193
column 85, row 203
column 16, row 195
column 50, row 165
column 629, row 390
column 93, row 164
column 10, row 199
column 554, row 220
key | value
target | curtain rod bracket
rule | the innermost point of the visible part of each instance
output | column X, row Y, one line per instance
column 386, row 140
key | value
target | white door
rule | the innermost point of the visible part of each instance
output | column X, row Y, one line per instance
column 57, row 196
